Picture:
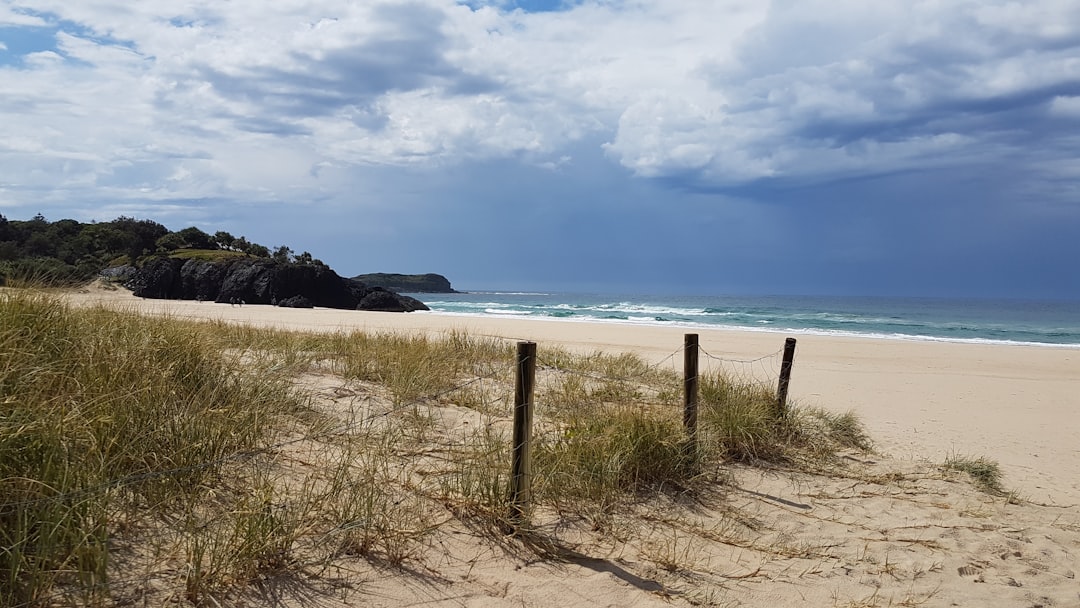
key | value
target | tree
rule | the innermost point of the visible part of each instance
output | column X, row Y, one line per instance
column 105, row 241
column 170, row 242
column 142, row 235
column 39, row 245
column 193, row 238
column 241, row 244
column 8, row 250
column 281, row 253
column 224, row 240
column 66, row 244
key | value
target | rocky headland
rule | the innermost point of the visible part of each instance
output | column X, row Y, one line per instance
column 261, row 281
column 407, row 283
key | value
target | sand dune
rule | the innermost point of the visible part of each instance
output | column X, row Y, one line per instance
column 894, row 531
column 921, row 400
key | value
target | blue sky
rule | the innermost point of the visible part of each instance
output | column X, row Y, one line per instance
column 685, row 146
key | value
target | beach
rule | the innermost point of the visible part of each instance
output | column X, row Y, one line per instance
column 920, row 400
column 889, row 528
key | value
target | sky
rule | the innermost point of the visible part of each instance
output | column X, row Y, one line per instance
column 817, row 147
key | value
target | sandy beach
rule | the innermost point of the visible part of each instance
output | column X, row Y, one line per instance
column 896, row 530
column 920, row 400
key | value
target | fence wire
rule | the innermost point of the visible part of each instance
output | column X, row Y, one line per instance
column 762, row 371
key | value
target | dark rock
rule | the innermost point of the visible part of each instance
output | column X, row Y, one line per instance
column 411, row 304
column 318, row 283
column 120, row 274
column 382, row 300
column 201, row 280
column 159, row 278
column 261, row 281
column 247, row 281
column 296, row 302
column 407, row 283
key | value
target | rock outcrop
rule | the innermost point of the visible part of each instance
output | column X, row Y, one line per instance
column 262, row 281
column 407, row 283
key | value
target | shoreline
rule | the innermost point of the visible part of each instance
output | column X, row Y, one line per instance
column 1034, row 322
column 919, row 400
column 689, row 325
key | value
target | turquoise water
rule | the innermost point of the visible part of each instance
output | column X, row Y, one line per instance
column 1013, row 321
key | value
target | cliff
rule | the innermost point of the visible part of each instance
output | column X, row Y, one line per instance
column 407, row 283
column 262, row 281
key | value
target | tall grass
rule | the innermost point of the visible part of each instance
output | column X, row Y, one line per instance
column 111, row 423
column 600, row 456
column 415, row 366
column 102, row 411
column 742, row 423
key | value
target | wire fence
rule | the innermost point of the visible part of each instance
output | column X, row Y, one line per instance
column 495, row 387
column 760, row 371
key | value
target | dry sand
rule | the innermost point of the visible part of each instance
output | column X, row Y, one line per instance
column 1019, row 405
column 895, row 533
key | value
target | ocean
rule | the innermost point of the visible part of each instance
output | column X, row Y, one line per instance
column 960, row 320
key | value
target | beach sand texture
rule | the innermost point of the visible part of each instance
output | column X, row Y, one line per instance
column 897, row 533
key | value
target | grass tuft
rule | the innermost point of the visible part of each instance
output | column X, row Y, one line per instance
column 744, row 424
column 601, row 457
column 984, row 473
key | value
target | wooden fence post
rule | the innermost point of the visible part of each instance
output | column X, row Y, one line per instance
column 785, row 378
column 521, row 469
column 690, row 391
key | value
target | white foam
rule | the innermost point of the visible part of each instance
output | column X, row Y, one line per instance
column 758, row 329
column 497, row 311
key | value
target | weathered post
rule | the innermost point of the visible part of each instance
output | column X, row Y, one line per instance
column 521, row 469
column 785, row 378
column 690, row 391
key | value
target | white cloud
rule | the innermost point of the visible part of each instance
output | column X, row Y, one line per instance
column 247, row 99
column 1064, row 105
column 9, row 17
column 42, row 59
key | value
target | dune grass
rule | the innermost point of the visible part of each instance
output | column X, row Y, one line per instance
column 983, row 472
column 186, row 447
column 103, row 412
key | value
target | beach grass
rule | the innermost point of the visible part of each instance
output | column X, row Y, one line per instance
column 212, row 452
column 982, row 471
column 105, row 412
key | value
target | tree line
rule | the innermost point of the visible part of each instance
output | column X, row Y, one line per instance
column 68, row 251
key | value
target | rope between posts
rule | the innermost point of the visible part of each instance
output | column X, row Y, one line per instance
column 596, row 376
column 740, row 361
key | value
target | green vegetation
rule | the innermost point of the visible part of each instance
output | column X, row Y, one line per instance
column 209, row 456
column 983, row 472
column 102, row 415
column 207, row 255
column 407, row 283
column 67, row 252
column 744, row 425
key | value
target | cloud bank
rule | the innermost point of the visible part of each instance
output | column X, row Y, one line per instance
column 166, row 99
column 153, row 107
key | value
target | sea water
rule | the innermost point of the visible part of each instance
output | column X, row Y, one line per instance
column 1005, row 321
